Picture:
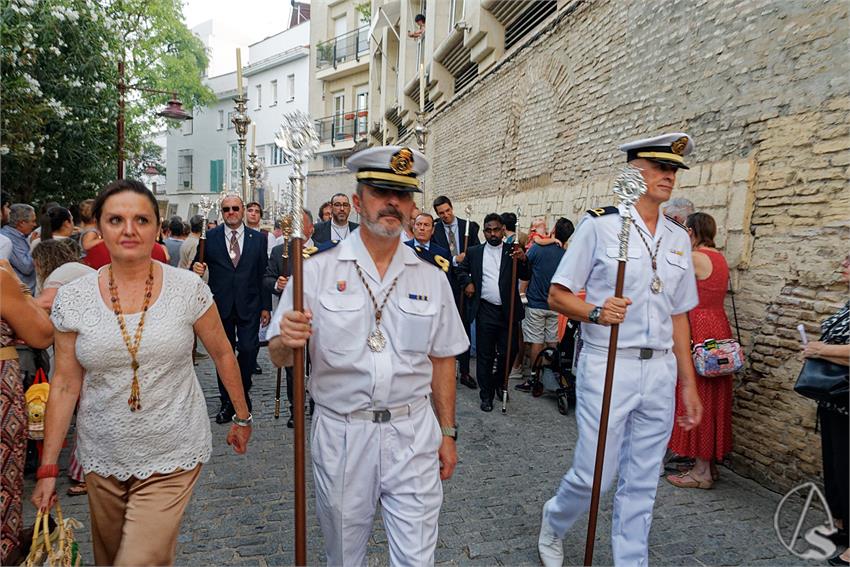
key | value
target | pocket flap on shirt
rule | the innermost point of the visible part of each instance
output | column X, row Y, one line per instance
column 614, row 251
column 342, row 301
column 678, row 260
column 417, row 306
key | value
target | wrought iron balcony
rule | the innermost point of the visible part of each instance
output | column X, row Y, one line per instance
column 349, row 46
column 351, row 126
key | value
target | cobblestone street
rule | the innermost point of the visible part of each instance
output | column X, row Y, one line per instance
column 241, row 511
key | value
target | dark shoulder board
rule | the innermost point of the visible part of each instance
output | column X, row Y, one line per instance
column 318, row 249
column 603, row 211
column 677, row 223
column 430, row 257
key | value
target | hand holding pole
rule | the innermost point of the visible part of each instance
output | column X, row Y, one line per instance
column 628, row 187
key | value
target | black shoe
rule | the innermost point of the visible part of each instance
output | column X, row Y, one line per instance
column 225, row 414
column 837, row 560
column 467, row 381
column 487, row 405
column 524, row 387
column 290, row 423
column 257, row 369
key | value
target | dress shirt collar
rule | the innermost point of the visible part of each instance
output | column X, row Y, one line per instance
column 426, row 245
column 352, row 248
column 240, row 230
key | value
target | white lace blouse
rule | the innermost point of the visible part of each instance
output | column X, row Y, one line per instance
column 172, row 429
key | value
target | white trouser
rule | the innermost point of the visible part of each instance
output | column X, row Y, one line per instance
column 357, row 463
column 639, row 426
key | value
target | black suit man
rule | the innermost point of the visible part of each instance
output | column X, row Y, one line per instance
column 423, row 230
column 236, row 257
column 450, row 233
column 339, row 227
column 485, row 273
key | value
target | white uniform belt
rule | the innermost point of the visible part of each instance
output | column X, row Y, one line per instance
column 376, row 415
column 643, row 353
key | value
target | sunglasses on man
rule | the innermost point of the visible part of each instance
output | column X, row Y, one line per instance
column 235, row 209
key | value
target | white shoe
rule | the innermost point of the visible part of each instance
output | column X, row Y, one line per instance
column 516, row 374
column 549, row 546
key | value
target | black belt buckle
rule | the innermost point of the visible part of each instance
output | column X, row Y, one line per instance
column 381, row 416
column 645, row 353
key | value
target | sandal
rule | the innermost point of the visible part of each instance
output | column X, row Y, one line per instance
column 685, row 480
column 686, row 467
column 78, row 489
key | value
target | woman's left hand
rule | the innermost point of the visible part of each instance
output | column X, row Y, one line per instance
column 814, row 349
column 238, row 436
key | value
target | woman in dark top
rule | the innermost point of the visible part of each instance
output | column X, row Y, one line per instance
column 834, row 423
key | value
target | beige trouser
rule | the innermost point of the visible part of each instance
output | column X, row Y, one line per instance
column 136, row 522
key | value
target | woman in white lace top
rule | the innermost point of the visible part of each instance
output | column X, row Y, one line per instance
column 123, row 345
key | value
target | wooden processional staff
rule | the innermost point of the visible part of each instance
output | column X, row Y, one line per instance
column 299, row 142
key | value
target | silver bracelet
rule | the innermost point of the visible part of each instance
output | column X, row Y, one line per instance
column 243, row 422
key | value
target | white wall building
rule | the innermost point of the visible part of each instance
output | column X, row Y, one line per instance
column 203, row 154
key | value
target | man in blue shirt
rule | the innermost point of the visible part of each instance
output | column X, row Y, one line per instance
column 540, row 326
column 21, row 223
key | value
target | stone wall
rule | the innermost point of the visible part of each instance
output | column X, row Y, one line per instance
column 763, row 87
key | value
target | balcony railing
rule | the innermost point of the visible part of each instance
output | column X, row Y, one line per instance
column 347, row 126
column 346, row 47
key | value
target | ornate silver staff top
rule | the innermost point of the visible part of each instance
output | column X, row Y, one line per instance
column 628, row 187
column 205, row 206
column 298, row 140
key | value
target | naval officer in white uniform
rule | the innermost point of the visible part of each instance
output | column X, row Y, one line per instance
column 652, row 351
column 384, row 332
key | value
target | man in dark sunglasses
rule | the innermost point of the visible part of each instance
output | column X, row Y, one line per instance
column 236, row 258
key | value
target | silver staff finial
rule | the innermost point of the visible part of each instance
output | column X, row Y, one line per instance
column 629, row 185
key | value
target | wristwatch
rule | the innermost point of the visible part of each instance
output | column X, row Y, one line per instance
column 243, row 422
column 593, row 316
column 450, row 432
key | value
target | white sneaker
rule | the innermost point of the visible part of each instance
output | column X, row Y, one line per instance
column 549, row 546
column 516, row 373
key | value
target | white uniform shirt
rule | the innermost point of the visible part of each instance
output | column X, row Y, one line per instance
column 590, row 263
column 419, row 319
column 491, row 264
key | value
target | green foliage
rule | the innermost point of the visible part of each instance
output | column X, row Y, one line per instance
column 365, row 10
column 59, row 72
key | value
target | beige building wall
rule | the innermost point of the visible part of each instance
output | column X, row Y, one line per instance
column 346, row 75
column 763, row 88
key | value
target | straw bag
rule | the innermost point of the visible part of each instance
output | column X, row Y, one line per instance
column 56, row 549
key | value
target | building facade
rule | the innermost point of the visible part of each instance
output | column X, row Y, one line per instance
column 339, row 91
column 525, row 111
column 203, row 154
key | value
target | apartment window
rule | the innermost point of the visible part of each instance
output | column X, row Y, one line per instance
column 221, row 120
column 290, row 87
column 340, row 26
column 334, row 161
column 186, row 127
column 216, row 175
column 184, row 170
column 274, row 93
column 456, row 13
column 277, row 155
column 362, row 102
column 259, row 96
column 339, row 111
column 230, row 120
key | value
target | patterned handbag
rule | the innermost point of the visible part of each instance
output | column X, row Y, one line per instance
column 718, row 358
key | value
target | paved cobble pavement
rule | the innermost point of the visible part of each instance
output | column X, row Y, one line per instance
column 242, row 508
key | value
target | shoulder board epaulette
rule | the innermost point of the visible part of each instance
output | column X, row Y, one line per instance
column 677, row 223
column 602, row 211
column 430, row 257
column 319, row 248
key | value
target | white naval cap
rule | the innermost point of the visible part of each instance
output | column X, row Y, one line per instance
column 666, row 148
column 389, row 167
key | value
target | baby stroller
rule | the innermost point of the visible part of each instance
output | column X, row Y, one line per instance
column 554, row 370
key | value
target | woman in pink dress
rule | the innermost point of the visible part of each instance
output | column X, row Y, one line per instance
column 711, row 440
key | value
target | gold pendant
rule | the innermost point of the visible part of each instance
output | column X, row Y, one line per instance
column 376, row 340
column 656, row 286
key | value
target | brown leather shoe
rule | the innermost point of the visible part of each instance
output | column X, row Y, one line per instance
column 467, row 381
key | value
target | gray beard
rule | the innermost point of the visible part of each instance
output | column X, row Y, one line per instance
column 378, row 229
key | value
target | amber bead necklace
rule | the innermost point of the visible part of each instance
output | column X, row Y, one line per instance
column 135, row 400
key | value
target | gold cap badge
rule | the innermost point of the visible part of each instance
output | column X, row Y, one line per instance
column 402, row 162
column 678, row 147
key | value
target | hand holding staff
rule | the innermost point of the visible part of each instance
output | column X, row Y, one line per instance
column 628, row 187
